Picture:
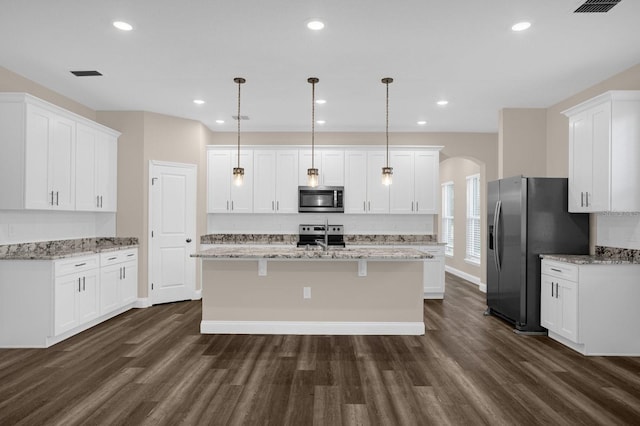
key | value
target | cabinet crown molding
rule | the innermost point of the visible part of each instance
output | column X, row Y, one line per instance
column 611, row 95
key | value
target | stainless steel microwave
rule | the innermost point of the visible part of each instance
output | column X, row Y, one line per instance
column 321, row 199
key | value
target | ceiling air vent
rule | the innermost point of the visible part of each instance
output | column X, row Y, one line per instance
column 86, row 73
column 596, row 6
column 242, row 117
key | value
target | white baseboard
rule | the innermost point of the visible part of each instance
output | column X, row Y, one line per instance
column 142, row 302
column 471, row 278
column 312, row 327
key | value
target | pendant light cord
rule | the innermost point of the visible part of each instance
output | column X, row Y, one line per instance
column 313, row 120
column 239, row 84
column 387, row 123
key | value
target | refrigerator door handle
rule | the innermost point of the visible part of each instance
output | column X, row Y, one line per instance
column 496, row 221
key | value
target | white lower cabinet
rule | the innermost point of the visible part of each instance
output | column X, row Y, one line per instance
column 43, row 302
column 591, row 308
column 434, row 272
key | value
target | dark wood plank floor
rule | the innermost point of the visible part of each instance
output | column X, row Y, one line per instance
column 151, row 366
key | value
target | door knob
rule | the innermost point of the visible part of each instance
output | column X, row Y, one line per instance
column 188, row 240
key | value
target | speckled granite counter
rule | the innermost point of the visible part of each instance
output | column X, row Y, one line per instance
column 604, row 256
column 48, row 250
column 355, row 239
column 292, row 253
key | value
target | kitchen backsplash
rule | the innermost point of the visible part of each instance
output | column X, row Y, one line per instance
column 632, row 255
column 17, row 226
column 288, row 223
column 618, row 230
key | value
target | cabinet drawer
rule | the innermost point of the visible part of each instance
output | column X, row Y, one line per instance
column 560, row 270
column 75, row 264
column 118, row 256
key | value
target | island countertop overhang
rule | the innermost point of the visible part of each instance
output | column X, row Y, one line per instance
column 250, row 252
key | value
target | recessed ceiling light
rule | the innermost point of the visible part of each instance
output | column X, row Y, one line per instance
column 124, row 26
column 442, row 102
column 320, row 121
column 198, row 101
column 521, row 26
column 219, row 121
column 321, row 101
column 315, row 24
column 422, row 122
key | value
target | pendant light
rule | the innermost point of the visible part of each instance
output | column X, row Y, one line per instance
column 238, row 172
column 312, row 173
column 387, row 172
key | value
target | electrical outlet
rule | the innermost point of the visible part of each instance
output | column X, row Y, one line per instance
column 306, row 293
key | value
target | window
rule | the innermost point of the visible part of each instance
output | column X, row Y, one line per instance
column 447, row 217
column 473, row 219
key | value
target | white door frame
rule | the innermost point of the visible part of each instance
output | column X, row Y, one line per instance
column 197, row 294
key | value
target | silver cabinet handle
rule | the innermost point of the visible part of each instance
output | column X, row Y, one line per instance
column 412, row 206
column 112, row 258
column 364, row 206
column 417, row 208
column 121, row 274
column 552, row 289
column 232, row 205
column 557, row 270
column 83, row 283
column 81, row 264
column 101, row 201
column 581, row 199
column 586, row 198
column 369, row 205
column 78, row 285
column 124, row 272
column 278, row 205
column 97, row 201
column 556, row 290
column 273, row 207
column 51, row 197
column 57, row 200
column 227, row 204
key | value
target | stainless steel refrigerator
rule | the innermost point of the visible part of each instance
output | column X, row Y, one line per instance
column 527, row 217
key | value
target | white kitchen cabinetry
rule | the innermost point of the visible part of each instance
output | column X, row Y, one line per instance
column 591, row 308
column 434, row 272
column 43, row 302
column 364, row 191
column 118, row 279
column 38, row 163
column 96, row 169
column 76, row 298
column 223, row 196
column 275, row 186
column 330, row 165
column 604, row 153
column 415, row 181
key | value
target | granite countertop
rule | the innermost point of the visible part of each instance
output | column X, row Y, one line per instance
column 292, row 252
column 353, row 239
column 589, row 259
column 59, row 249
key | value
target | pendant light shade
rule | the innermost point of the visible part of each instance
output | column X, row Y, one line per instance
column 238, row 172
column 312, row 173
column 387, row 172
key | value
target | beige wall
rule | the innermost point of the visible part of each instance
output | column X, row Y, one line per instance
column 456, row 170
column 522, row 142
column 12, row 82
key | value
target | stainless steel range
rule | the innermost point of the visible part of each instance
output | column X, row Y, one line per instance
column 313, row 235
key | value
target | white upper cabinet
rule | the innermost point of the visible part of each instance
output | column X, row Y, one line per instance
column 604, row 153
column 415, row 182
column 330, row 165
column 39, row 162
column 96, row 169
column 223, row 196
column 276, row 183
column 364, row 191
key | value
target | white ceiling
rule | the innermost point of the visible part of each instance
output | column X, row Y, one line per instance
column 460, row 50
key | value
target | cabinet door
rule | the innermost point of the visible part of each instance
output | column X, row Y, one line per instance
column 401, row 191
column 86, row 159
column 38, row 194
column 109, row 277
column 286, row 181
column 567, row 319
column 242, row 196
column 106, row 170
column 355, row 185
column 264, row 163
column 426, row 181
column 600, row 197
column 62, row 163
column 580, row 161
column 332, row 172
column 66, row 302
column 88, row 297
column 548, row 303
column 128, row 285
column 219, row 175
column 377, row 193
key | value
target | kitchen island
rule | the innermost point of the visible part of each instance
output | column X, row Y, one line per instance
column 289, row 290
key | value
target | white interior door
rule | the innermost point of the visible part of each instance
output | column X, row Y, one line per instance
column 172, row 225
